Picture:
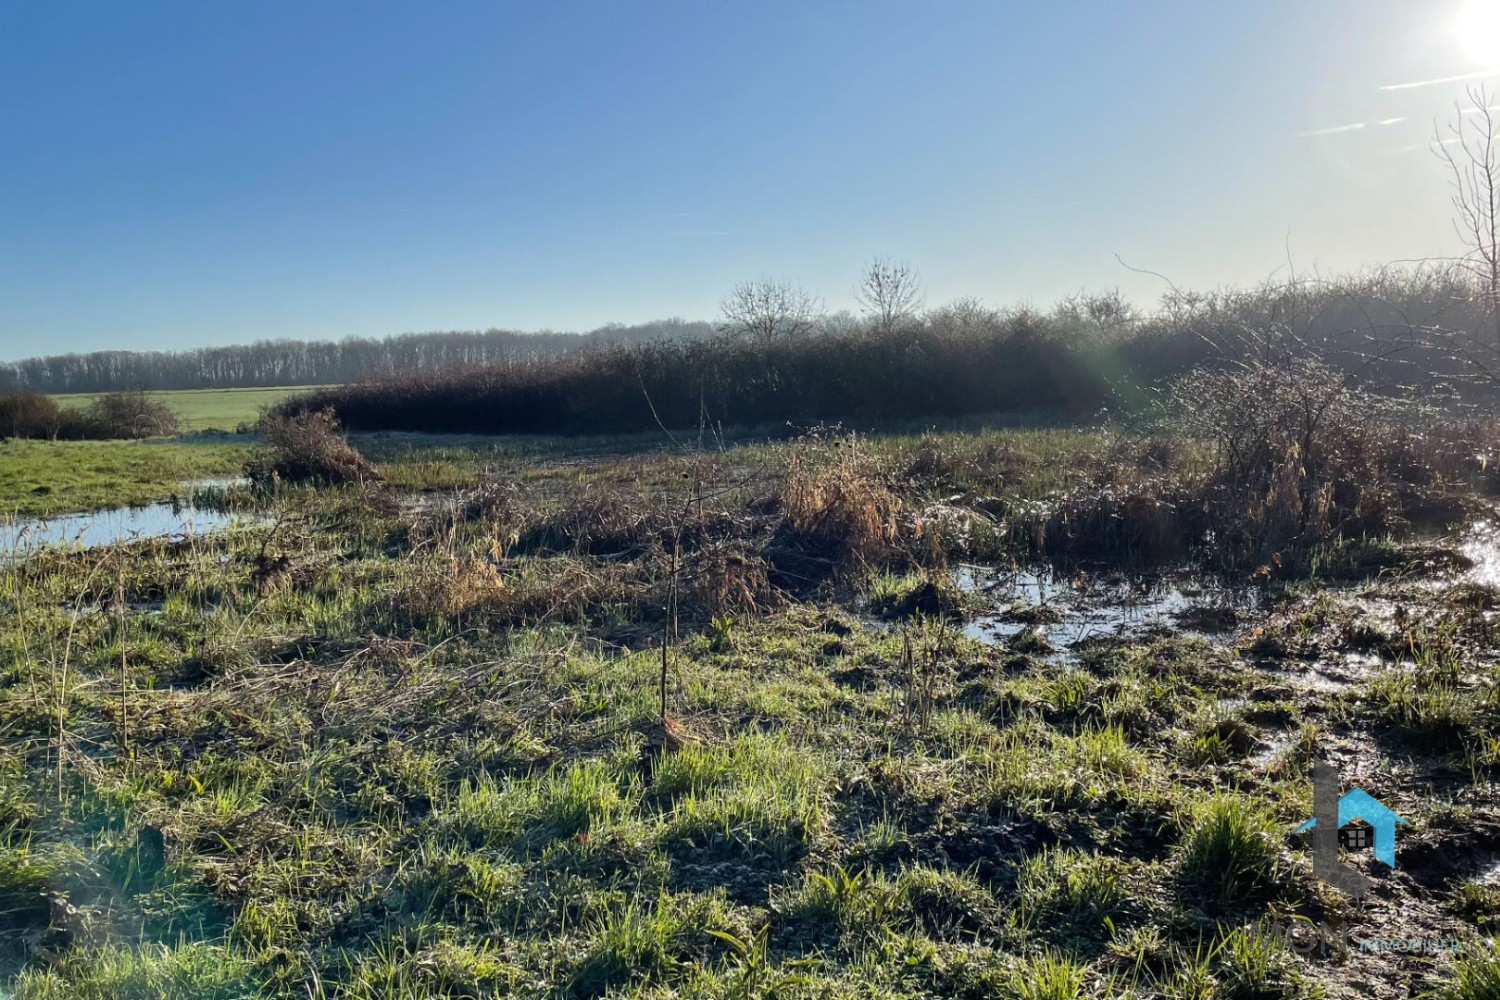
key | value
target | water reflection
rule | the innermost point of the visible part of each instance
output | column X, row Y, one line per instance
column 1481, row 546
column 1067, row 609
column 108, row 527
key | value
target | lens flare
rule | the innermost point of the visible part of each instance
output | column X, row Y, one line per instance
column 1478, row 30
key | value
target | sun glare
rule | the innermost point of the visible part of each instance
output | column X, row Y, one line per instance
column 1478, row 30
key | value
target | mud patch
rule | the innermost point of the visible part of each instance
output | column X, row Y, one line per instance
column 1329, row 675
column 857, row 678
column 1469, row 849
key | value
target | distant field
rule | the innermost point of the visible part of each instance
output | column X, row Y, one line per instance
column 202, row 409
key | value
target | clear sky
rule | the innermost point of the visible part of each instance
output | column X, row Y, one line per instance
column 177, row 174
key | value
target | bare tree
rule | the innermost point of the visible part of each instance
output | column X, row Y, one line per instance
column 966, row 316
column 769, row 309
column 1103, row 312
column 891, row 292
column 1472, row 154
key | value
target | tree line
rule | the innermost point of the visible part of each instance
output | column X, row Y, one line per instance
column 298, row 362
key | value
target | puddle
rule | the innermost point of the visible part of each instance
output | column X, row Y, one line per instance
column 194, row 510
column 107, row 527
column 1272, row 747
column 1481, row 546
column 1066, row 610
column 1327, row 676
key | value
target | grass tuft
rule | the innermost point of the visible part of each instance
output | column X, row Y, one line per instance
column 1229, row 853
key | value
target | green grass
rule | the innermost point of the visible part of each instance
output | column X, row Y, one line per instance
column 376, row 745
column 1229, row 853
column 150, row 973
column 1475, row 976
column 51, row 477
column 206, row 409
column 1085, row 893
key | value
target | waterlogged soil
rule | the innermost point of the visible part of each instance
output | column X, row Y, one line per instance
column 1226, row 686
column 1480, row 547
column 1331, row 655
column 1319, row 643
column 1056, row 612
column 1335, row 632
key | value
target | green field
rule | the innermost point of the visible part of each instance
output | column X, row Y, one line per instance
column 205, row 409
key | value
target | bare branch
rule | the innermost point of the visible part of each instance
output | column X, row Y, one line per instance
column 769, row 309
column 1473, row 161
column 891, row 292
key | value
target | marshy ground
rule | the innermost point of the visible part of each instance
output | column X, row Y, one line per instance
column 1016, row 713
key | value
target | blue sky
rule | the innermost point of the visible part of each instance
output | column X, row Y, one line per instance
column 182, row 174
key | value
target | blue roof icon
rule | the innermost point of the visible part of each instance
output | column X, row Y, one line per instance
column 1357, row 803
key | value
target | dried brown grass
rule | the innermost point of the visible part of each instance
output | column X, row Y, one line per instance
column 308, row 448
column 838, row 507
column 732, row 578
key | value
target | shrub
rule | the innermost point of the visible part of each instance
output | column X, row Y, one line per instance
column 913, row 371
column 1303, row 456
column 307, row 447
column 26, row 413
column 957, row 360
column 131, row 414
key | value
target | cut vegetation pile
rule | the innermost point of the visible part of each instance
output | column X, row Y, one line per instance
column 308, row 448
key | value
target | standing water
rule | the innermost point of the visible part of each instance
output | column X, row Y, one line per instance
column 1481, row 546
column 1066, row 610
column 21, row 537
